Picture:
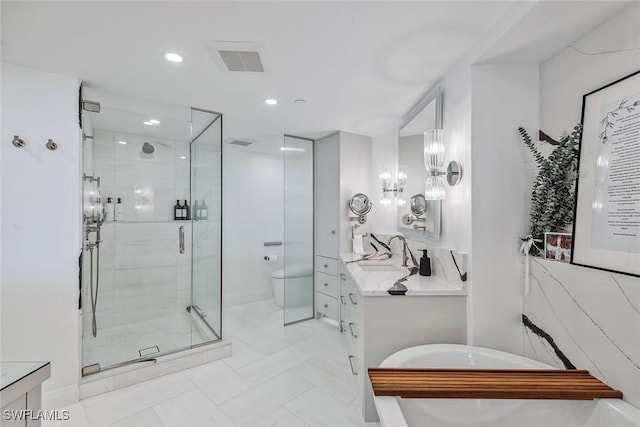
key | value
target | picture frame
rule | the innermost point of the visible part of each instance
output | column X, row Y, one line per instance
column 557, row 246
column 606, row 227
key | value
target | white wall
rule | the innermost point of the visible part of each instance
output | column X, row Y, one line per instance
column 253, row 214
column 503, row 98
column 593, row 316
column 569, row 75
column 41, row 226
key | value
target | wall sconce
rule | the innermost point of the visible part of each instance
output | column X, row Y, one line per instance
column 434, row 162
column 397, row 189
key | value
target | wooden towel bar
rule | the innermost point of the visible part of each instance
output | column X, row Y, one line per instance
column 489, row 384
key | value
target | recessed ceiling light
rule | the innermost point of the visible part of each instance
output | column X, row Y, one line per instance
column 183, row 157
column 172, row 57
column 148, row 123
column 154, row 121
column 300, row 101
column 270, row 101
column 291, row 149
column 122, row 142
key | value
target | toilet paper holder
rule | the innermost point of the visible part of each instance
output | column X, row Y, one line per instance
column 353, row 231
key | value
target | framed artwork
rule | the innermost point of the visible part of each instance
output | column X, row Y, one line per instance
column 606, row 228
column 557, row 246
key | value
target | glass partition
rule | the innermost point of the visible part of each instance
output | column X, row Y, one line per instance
column 206, row 193
column 298, row 229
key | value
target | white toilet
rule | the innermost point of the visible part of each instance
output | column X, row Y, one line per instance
column 299, row 285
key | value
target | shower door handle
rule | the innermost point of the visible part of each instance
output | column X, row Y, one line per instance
column 181, row 239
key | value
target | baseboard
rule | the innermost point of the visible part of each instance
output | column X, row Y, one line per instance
column 60, row 397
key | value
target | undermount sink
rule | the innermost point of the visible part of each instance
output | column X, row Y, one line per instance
column 378, row 267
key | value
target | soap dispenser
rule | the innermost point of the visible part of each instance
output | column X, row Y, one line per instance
column 425, row 264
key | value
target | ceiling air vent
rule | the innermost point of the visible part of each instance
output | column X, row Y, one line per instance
column 241, row 61
column 240, row 143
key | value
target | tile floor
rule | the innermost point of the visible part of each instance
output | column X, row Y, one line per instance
column 278, row 376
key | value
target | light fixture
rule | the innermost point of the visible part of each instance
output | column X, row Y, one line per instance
column 183, row 157
column 148, row 123
column 122, row 142
column 291, row 149
column 173, row 57
column 388, row 188
column 154, row 121
column 434, row 161
column 271, row 101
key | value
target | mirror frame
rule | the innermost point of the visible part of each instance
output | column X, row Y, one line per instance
column 435, row 93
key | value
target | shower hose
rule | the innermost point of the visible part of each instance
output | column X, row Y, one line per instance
column 94, row 294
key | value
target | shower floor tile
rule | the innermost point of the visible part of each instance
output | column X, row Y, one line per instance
column 122, row 343
column 294, row 376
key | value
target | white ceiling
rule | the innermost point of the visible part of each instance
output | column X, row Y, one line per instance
column 360, row 65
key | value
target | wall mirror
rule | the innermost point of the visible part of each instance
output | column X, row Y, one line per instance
column 427, row 114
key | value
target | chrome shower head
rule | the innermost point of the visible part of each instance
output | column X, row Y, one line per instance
column 147, row 148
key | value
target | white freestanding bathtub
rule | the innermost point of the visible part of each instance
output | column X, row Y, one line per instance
column 398, row 412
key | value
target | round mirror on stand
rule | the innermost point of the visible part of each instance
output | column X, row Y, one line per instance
column 418, row 205
column 418, row 208
column 360, row 205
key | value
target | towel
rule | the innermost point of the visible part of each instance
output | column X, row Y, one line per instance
column 358, row 245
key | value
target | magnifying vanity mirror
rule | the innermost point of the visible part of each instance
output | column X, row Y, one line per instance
column 418, row 205
column 360, row 205
column 419, row 217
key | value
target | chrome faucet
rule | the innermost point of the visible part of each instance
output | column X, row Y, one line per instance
column 405, row 257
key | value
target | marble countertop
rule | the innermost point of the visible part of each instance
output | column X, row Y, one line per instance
column 376, row 283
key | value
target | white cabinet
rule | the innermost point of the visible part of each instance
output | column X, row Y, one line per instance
column 342, row 169
column 376, row 326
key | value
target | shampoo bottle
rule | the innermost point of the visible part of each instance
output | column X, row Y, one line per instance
column 109, row 209
column 425, row 264
column 177, row 211
column 204, row 210
column 196, row 210
column 119, row 210
column 186, row 211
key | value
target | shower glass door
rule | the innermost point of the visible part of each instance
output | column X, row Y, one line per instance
column 298, row 229
column 150, row 278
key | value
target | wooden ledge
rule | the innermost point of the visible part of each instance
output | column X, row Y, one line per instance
column 570, row 384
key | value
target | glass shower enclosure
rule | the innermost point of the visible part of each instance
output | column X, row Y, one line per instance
column 151, row 280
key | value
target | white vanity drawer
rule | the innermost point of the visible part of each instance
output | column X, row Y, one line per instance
column 327, row 284
column 327, row 265
column 327, row 305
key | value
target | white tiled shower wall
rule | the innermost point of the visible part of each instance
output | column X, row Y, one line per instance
column 143, row 276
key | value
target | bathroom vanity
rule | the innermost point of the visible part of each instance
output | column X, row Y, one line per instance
column 376, row 324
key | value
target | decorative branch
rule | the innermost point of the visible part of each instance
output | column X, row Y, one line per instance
column 552, row 194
